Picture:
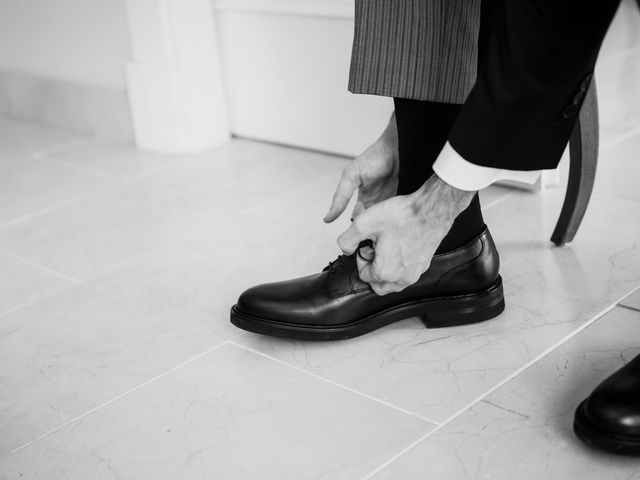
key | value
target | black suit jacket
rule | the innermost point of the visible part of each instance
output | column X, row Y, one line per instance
column 536, row 62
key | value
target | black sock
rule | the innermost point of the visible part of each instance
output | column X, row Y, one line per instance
column 423, row 129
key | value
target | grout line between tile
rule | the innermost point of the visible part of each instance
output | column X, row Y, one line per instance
column 495, row 387
column 620, row 138
column 336, row 384
column 57, row 206
column 32, row 215
column 629, row 307
column 294, row 147
column 76, row 283
column 36, row 300
column 118, row 397
column 62, row 147
column 84, row 169
column 41, row 267
column 628, row 295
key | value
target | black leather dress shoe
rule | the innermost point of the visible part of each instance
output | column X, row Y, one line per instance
column 610, row 417
column 460, row 287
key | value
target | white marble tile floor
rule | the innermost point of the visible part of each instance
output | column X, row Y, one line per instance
column 118, row 360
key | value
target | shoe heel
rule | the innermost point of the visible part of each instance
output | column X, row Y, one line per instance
column 466, row 309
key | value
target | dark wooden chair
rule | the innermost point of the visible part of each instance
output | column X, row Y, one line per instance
column 583, row 160
column 583, row 153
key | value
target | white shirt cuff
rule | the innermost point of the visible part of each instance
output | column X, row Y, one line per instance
column 464, row 175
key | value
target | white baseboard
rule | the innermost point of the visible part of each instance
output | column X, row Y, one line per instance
column 325, row 8
column 100, row 111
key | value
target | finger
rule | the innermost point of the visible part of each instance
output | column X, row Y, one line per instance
column 377, row 270
column 349, row 240
column 348, row 183
column 385, row 288
column 364, row 270
column 358, row 210
column 366, row 253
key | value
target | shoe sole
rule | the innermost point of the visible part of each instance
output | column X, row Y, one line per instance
column 434, row 312
column 596, row 437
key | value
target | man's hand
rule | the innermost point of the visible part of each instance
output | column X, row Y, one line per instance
column 406, row 230
column 374, row 173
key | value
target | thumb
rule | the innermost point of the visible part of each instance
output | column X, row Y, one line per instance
column 349, row 183
column 349, row 240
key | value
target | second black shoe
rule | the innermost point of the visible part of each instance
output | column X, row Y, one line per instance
column 609, row 418
column 460, row 287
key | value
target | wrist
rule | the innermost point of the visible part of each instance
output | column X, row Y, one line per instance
column 389, row 136
column 437, row 200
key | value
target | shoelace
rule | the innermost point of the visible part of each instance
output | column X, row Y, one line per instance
column 340, row 260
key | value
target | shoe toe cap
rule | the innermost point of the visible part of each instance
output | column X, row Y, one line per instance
column 291, row 301
column 258, row 301
column 615, row 413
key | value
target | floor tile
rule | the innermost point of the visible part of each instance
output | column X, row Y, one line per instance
column 230, row 414
column 549, row 292
column 523, row 430
column 32, row 187
column 632, row 301
column 21, row 283
column 191, row 200
column 20, row 139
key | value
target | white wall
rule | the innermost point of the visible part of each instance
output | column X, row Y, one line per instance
column 286, row 66
column 82, row 41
